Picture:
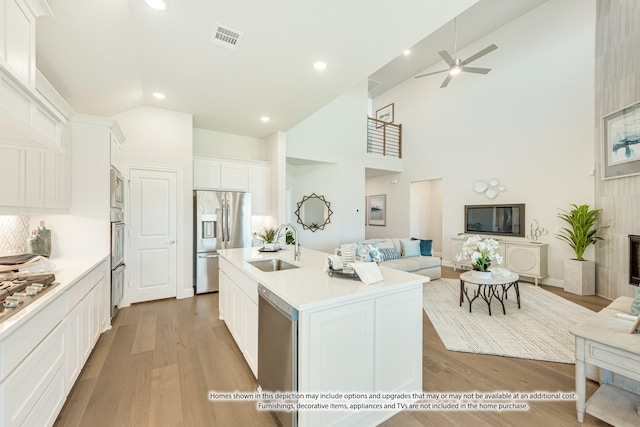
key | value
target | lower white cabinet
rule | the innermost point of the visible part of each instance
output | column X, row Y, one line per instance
column 238, row 300
column 42, row 358
column 359, row 347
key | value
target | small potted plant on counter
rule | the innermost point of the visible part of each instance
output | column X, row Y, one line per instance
column 269, row 237
column 579, row 273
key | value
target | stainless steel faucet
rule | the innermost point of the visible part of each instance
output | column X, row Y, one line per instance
column 296, row 255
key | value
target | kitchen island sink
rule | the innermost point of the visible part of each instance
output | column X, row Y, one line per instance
column 273, row 264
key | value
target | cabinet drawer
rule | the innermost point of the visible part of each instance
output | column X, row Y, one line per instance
column 22, row 342
column 23, row 389
column 50, row 404
column 613, row 359
column 77, row 292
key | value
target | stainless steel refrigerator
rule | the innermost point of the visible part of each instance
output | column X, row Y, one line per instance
column 221, row 220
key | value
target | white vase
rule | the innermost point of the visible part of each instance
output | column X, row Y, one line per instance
column 481, row 274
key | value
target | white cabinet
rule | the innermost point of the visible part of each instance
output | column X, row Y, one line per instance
column 524, row 258
column 212, row 174
column 206, row 174
column 359, row 346
column 238, row 299
column 12, row 165
column 34, row 177
column 260, row 189
column 117, row 157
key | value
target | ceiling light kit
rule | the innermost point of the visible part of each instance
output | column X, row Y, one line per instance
column 156, row 4
column 158, row 95
column 456, row 65
column 320, row 65
column 264, row 119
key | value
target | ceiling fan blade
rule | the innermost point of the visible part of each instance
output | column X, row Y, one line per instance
column 480, row 54
column 446, row 81
column 429, row 74
column 447, row 58
column 476, row 70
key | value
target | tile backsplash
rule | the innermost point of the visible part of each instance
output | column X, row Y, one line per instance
column 14, row 232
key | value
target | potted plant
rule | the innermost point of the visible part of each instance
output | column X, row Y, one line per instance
column 270, row 237
column 580, row 274
column 481, row 252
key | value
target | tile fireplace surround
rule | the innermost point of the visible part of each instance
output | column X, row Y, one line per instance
column 14, row 231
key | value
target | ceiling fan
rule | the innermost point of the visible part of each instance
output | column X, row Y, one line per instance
column 456, row 65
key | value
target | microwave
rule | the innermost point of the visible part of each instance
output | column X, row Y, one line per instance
column 117, row 195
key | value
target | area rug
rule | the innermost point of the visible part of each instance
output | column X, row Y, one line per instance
column 538, row 330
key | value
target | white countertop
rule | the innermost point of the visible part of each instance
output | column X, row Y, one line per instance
column 68, row 271
column 309, row 286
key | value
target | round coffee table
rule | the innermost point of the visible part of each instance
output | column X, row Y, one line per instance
column 496, row 287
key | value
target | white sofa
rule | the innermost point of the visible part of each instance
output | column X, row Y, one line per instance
column 424, row 265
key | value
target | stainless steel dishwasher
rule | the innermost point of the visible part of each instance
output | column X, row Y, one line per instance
column 277, row 349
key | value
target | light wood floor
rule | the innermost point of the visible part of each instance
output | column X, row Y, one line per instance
column 157, row 364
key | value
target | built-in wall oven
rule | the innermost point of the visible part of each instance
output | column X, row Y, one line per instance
column 117, row 241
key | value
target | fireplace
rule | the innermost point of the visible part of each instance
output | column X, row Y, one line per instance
column 634, row 260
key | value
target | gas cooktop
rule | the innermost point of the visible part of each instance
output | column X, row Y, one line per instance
column 19, row 290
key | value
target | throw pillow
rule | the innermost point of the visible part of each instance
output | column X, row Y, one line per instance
column 635, row 305
column 425, row 246
column 388, row 253
column 410, row 248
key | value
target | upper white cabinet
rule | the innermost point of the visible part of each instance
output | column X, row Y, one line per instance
column 233, row 176
column 34, row 177
column 213, row 173
column 18, row 36
column 206, row 174
column 117, row 158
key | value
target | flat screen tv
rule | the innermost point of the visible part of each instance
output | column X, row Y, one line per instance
column 501, row 220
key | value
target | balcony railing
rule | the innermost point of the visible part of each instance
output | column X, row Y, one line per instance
column 384, row 138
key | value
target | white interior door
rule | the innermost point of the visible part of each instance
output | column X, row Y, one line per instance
column 152, row 223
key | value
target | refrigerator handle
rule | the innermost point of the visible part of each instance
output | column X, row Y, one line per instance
column 225, row 234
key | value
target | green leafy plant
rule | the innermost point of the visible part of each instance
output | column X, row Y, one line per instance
column 289, row 238
column 268, row 235
column 583, row 226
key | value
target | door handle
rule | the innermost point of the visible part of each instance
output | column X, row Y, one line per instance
column 171, row 242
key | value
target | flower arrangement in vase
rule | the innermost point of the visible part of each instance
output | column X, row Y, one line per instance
column 481, row 252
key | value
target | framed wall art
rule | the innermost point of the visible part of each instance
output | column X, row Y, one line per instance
column 377, row 210
column 621, row 142
column 385, row 114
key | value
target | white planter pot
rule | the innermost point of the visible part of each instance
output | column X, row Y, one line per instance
column 481, row 274
column 580, row 277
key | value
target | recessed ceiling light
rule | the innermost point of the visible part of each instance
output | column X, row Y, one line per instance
column 320, row 65
column 265, row 119
column 406, row 52
column 158, row 95
column 156, row 4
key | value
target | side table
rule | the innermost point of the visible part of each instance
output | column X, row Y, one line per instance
column 496, row 287
column 604, row 342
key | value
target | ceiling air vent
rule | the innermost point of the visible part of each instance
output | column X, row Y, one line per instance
column 226, row 37
column 373, row 84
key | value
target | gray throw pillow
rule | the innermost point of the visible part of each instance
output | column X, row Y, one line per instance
column 635, row 305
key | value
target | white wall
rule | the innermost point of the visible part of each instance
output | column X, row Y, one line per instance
column 164, row 138
column 529, row 123
column 228, row 145
column 336, row 135
column 426, row 212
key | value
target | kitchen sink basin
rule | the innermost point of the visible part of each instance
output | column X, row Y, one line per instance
column 273, row 264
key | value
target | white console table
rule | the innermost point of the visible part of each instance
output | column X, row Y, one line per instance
column 604, row 342
column 523, row 258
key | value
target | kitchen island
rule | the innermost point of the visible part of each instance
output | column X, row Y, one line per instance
column 352, row 337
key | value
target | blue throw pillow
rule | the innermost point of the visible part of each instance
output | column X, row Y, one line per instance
column 425, row 247
column 387, row 254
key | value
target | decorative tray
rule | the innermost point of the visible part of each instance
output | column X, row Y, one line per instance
column 347, row 274
column 268, row 250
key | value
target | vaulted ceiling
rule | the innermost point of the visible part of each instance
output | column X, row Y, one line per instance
column 108, row 56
